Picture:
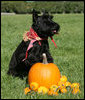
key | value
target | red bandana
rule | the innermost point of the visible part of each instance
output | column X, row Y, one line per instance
column 33, row 37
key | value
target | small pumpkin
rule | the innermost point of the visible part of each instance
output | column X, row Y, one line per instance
column 34, row 86
column 26, row 90
column 75, row 85
column 63, row 78
column 45, row 74
column 61, row 84
column 54, row 88
column 63, row 90
column 75, row 91
column 50, row 92
column 42, row 90
column 68, row 84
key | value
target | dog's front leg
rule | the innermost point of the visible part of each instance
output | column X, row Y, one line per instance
column 49, row 57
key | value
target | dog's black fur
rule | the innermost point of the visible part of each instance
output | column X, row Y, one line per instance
column 44, row 27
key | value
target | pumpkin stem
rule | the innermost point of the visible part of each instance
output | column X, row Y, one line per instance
column 44, row 59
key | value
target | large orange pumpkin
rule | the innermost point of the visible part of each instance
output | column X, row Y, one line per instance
column 45, row 74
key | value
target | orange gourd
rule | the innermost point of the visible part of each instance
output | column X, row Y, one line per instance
column 45, row 74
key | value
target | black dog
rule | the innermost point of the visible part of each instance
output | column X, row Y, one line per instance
column 33, row 45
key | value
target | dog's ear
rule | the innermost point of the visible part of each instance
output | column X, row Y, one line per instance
column 46, row 14
column 35, row 15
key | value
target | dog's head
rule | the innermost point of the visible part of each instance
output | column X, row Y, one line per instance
column 44, row 25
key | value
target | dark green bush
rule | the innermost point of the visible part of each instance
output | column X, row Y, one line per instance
column 21, row 7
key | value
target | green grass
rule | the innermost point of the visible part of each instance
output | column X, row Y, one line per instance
column 69, row 56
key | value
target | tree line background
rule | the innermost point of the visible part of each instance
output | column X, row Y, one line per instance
column 24, row 7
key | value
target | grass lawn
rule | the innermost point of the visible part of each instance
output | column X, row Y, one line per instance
column 69, row 56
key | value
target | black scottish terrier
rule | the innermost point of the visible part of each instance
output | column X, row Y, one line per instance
column 33, row 45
